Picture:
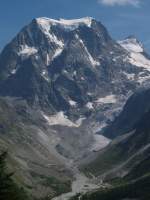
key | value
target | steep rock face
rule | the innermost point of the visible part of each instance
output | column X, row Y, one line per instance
column 54, row 49
column 66, row 65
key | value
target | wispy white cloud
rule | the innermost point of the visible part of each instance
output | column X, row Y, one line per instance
column 135, row 3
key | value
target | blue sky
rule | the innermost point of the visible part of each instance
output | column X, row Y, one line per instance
column 121, row 17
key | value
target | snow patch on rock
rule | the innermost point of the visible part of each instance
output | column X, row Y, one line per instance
column 44, row 74
column 26, row 50
column 72, row 103
column 91, row 59
column 143, row 78
column 45, row 26
column 89, row 105
column 14, row 71
column 57, row 53
column 131, row 45
column 107, row 99
column 130, row 76
column 136, row 53
column 61, row 119
column 139, row 60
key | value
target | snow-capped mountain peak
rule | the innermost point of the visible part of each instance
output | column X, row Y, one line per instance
column 131, row 44
column 136, row 52
column 70, row 24
column 86, row 20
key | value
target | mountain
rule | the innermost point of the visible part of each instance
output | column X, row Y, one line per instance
column 137, row 55
column 65, row 65
column 135, row 108
column 130, row 148
column 60, row 56
column 125, row 163
column 61, row 82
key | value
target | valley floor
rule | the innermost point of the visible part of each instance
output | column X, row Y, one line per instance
column 81, row 184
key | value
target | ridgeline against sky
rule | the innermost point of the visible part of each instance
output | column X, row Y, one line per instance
column 121, row 17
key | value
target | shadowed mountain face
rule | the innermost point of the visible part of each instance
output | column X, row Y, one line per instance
column 136, row 107
column 61, row 81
